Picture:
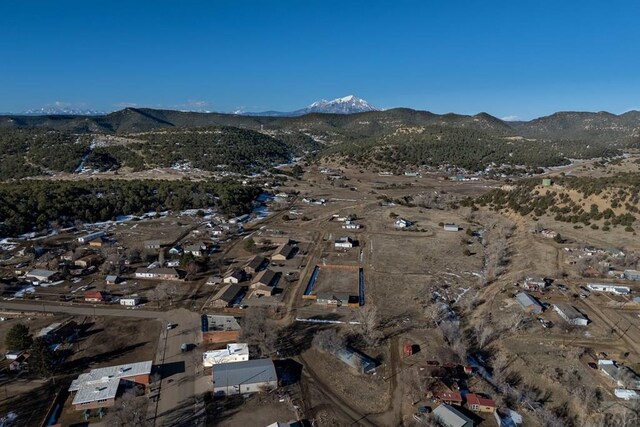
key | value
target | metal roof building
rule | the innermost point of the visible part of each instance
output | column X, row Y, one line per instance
column 233, row 353
column 244, row 377
column 528, row 303
column 98, row 387
column 449, row 416
column 570, row 314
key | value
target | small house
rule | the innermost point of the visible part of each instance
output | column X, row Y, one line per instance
column 537, row 284
column 282, row 253
column 234, row 276
column 449, row 397
column 87, row 261
column 91, row 236
column 344, row 243
column 231, row 354
column 112, row 280
column 480, row 404
column 255, row 264
column 227, row 295
column 95, row 296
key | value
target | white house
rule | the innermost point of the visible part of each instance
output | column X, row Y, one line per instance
column 605, row 287
column 233, row 353
column 91, row 236
column 130, row 302
column 344, row 242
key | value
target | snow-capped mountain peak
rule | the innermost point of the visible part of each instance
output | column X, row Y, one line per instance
column 346, row 105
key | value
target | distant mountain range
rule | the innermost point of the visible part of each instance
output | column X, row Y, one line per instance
column 346, row 105
column 337, row 127
column 62, row 111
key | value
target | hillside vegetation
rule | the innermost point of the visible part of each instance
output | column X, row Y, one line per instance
column 34, row 205
column 601, row 203
column 392, row 139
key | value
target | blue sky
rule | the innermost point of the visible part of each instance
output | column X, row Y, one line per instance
column 508, row 58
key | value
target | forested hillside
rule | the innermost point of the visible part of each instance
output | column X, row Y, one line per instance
column 467, row 148
column 38, row 204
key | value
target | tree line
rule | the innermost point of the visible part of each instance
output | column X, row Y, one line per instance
column 37, row 205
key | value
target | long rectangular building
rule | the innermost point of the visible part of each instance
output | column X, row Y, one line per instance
column 244, row 377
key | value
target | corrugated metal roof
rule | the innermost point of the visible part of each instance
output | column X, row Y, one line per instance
column 247, row 372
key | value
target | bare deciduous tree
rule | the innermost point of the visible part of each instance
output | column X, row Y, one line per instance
column 435, row 312
column 258, row 330
column 484, row 334
column 129, row 410
column 367, row 324
column 328, row 340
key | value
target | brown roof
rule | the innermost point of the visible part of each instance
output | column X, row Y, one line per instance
column 265, row 277
column 448, row 396
column 94, row 294
column 474, row 399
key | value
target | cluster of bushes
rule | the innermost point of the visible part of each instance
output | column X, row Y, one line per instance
column 525, row 199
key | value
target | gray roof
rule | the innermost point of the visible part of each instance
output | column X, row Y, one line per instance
column 265, row 277
column 102, row 383
column 569, row 311
column 38, row 272
column 218, row 322
column 256, row 262
column 526, row 300
column 450, row 416
column 254, row 371
column 228, row 293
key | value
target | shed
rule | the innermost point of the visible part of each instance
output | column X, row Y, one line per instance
column 130, row 302
column 451, row 227
column 112, row 279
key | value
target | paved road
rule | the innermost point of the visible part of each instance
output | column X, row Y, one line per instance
column 177, row 403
